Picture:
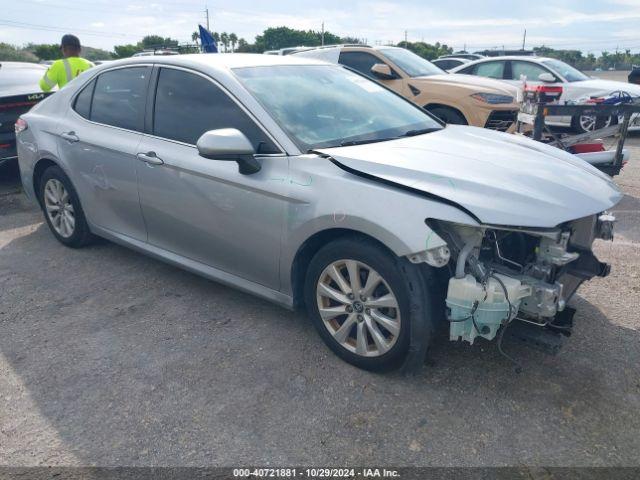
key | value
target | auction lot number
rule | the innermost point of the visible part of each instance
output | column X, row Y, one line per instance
column 315, row 473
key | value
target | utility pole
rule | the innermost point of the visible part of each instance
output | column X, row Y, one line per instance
column 405, row 39
column 524, row 38
column 206, row 11
column 322, row 37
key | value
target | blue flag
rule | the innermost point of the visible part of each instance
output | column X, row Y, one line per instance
column 207, row 41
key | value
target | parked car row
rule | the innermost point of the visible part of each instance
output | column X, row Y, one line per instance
column 455, row 99
column 312, row 185
column 575, row 85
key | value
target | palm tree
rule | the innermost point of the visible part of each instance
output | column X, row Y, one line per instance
column 233, row 38
column 195, row 36
column 216, row 37
column 224, row 38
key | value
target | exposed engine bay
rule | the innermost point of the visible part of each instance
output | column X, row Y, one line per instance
column 501, row 275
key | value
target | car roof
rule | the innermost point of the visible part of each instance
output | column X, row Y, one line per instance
column 220, row 60
column 529, row 58
column 463, row 60
column 513, row 57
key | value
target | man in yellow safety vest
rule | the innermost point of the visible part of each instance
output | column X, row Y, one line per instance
column 69, row 67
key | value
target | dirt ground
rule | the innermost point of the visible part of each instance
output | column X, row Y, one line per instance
column 108, row 357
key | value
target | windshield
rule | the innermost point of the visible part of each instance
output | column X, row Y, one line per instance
column 567, row 71
column 322, row 106
column 412, row 64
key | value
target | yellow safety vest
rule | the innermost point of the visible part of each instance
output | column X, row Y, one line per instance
column 63, row 71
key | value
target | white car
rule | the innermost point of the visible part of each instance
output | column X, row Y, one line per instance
column 575, row 84
column 449, row 63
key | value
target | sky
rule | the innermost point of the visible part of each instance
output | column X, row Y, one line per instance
column 591, row 26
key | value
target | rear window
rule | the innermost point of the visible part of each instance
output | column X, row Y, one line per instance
column 20, row 80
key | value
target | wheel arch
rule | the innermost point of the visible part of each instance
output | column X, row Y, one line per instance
column 310, row 247
column 430, row 106
column 38, row 170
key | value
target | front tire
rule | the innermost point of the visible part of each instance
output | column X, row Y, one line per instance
column 448, row 115
column 62, row 209
column 359, row 299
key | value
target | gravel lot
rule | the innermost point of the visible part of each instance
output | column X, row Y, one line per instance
column 108, row 357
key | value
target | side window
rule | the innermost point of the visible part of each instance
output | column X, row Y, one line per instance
column 444, row 64
column 119, row 98
column 528, row 69
column 490, row 69
column 467, row 71
column 360, row 62
column 187, row 105
column 82, row 105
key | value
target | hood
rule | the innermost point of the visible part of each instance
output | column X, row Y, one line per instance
column 470, row 82
column 597, row 86
column 502, row 179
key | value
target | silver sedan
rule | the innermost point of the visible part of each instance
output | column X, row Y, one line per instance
column 309, row 185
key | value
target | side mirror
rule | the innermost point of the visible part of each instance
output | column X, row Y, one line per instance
column 382, row 71
column 229, row 144
column 546, row 77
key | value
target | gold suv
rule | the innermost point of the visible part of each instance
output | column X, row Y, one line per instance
column 458, row 99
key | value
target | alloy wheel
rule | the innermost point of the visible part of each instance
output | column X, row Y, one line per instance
column 57, row 203
column 358, row 308
column 588, row 123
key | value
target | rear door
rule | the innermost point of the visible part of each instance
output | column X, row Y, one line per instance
column 496, row 69
column 99, row 139
column 204, row 209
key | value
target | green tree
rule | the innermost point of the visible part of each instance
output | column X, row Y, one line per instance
column 157, row 41
column 350, row 40
column 224, row 38
column 233, row 39
column 91, row 53
column 49, row 51
column 426, row 50
column 11, row 53
column 283, row 37
column 195, row 36
column 246, row 47
column 126, row 51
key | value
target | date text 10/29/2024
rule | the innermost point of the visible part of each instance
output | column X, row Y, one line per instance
column 314, row 473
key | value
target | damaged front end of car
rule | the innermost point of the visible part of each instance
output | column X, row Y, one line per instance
column 525, row 276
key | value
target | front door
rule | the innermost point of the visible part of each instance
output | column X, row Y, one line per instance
column 204, row 209
column 363, row 61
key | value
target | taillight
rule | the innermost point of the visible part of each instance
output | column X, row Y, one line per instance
column 21, row 125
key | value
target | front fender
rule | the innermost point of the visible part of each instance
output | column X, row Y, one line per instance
column 392, row 215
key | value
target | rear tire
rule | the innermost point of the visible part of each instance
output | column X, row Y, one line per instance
column 448, row 115
column 62, row 209
column 372, row 328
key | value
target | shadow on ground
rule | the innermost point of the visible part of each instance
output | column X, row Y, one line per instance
column 128, row 361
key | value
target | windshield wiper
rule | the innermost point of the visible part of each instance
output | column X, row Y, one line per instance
column 349, row 143
column 413, row 133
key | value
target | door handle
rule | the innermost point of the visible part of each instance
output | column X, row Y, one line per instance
column 150, row 157
column 70, row 137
